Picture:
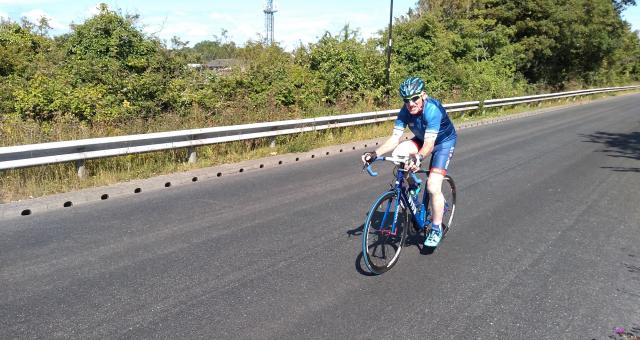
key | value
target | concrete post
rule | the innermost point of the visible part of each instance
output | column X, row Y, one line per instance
column 193, row 157
column 82, row 171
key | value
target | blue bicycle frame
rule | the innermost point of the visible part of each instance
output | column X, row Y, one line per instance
column 385, row 230
column 418, row 210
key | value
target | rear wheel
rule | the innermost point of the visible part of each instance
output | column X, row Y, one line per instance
column 449, row 192
column 382, row 238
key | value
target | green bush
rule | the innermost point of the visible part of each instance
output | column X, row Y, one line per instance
column 107, row 71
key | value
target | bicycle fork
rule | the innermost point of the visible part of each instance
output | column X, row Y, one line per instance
column 393, row 231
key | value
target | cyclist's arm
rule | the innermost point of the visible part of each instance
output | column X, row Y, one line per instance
column 388, row 145
column 394, row 139
column 429, row 143
column 433, row 116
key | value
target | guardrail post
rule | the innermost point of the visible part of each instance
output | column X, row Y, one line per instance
column 273, row 143
column 193, row 157
column 81, row 169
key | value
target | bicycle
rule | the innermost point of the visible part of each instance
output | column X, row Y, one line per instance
column 387, row 223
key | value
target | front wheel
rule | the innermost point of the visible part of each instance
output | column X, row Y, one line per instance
column 384, row 233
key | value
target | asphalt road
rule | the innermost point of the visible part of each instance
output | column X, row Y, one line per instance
column 545, row 246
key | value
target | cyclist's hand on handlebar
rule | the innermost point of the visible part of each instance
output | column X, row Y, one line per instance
column 414, row 162
column 369, row 157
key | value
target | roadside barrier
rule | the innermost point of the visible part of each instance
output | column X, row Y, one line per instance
column 78, row 151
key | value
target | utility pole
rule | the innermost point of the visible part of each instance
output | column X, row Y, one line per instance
column 389, row 45
column 269, row 9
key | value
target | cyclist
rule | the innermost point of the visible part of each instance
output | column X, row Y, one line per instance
column 434, row 134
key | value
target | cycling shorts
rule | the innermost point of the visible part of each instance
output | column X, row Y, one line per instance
column 440, row 156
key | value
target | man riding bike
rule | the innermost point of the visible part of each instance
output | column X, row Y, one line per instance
column 434, row 134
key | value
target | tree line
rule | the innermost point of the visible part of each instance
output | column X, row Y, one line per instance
column 107, row 70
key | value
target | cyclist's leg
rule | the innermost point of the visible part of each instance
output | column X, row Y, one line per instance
column 406, row 148
column 434, row 185
column 437, row 170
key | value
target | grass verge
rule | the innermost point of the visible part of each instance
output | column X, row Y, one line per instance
column 39, row 181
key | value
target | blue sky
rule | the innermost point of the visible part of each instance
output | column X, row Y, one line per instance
column 296, row 20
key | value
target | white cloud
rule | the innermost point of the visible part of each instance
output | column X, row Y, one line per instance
column 292, row 29
column 196, row 28
column 92, row 10
column 240, row 28
column 184, row 27
column 34, row 16
column 4, row 15
column 188, row 31
column 295, row 29
column 24, row 2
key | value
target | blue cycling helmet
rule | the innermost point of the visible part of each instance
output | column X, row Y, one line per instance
column 411, row 87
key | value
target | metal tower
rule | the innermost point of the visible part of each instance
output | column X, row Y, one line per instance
column 269, row 9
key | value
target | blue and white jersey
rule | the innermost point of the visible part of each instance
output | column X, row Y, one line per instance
column 434, row 120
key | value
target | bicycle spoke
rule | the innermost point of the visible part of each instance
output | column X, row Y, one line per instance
column 383, row 241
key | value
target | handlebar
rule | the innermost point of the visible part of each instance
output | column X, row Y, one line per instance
column 395, row 160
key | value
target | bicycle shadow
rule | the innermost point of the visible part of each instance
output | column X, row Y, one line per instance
column 361, row 267
column 359, row 264
column 414, row 238
column 356, row 231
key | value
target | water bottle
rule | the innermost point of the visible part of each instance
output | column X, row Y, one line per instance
column 414, row 188
column 414, row 191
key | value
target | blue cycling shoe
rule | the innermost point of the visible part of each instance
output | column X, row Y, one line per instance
column 433, row 239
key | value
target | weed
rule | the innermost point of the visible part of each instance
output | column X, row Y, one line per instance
column 45, row 180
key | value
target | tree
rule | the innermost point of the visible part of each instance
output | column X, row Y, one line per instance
column 559, row 40
column 621, row 5
column 347, row 65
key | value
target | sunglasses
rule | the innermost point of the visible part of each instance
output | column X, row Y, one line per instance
column 412, row 99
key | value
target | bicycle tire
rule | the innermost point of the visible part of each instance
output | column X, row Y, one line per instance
column 381, row 249
column 449, row 192
column 450, row 195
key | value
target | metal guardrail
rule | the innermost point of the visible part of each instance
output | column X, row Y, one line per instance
column 14, row 157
